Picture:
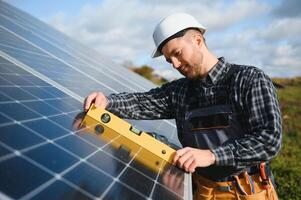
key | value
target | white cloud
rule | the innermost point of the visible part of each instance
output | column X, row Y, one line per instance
column 283, row 29
column 242, row 31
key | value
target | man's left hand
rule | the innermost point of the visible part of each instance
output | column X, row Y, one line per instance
column 190, row 158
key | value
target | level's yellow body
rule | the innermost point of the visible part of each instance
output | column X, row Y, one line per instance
column 151, row 151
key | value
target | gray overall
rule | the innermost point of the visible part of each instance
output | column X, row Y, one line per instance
column 214, row 125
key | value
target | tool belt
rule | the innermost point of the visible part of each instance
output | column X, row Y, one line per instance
column 243, row 186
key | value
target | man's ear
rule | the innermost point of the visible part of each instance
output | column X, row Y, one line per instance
column 198, row 39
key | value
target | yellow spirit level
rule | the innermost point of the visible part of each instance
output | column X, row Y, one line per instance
column 104, row 121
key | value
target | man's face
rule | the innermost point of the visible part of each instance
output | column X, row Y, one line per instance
column 185, row 56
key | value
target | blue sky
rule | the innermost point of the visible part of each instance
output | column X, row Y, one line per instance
column 261, row 33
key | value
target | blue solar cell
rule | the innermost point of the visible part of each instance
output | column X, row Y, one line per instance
column 17, row 80
column 4, row 82
column 60, row 104
column 55, row 92
column 119, row 190
column 19, row 177
column 40, row 93
column 161, row 192
column 63, row 120
column 18, row 111
column 52, row 131
column 144, row 170
column 42, row 108
column 89, row 179
column 76, row 146
column 17, row 93
column 107, row 163
column 60, row 190
column 18, row 137
column 129, row 175
column 4, row 151
column 4, row 98
column 52, row 157
column 4, row 119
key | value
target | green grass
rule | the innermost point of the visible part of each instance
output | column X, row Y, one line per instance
column 287, row 165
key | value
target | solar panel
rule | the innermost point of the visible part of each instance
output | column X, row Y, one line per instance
column 44, row 77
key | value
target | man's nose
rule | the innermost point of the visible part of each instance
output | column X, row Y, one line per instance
column 176, row 63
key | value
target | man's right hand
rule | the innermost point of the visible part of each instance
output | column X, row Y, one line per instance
column 98, row 98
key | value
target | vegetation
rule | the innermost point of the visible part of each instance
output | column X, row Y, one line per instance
column 286, row 166
column 148, row 73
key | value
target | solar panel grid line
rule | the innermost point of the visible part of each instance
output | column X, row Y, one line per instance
column 55, row 177
column 118, row 178
column 27, row 92
column 29, row 100
column 46, row 169
column 88, row 64
column 170, row 123
column 47, row 140
column 19, row 152
column 128, row 166
column 84, row 160
column 43, row 77
column 60, row 60
column 60, row 177
column 78, row 45
column 8, row 156
column 9, row 42
column 108, row 68
column 39, row 189
column 156, row 181
column 115, row 179
column 37, row 114
column 32, row 119
column 26, row 51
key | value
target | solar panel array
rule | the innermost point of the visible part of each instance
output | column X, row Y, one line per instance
column 44, row 77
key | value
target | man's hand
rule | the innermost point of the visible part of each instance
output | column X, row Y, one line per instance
column 190, row 158
column 98, row 98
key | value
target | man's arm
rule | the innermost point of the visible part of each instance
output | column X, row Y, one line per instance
column 154, row 104
column 263, row 141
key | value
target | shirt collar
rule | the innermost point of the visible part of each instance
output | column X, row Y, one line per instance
column 217, row 70
column 215, row 73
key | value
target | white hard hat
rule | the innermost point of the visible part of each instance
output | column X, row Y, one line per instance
column 171, row 25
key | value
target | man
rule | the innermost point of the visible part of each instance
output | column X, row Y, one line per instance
column 227, row 115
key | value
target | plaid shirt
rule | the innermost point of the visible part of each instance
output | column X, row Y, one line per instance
column 253, row 97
